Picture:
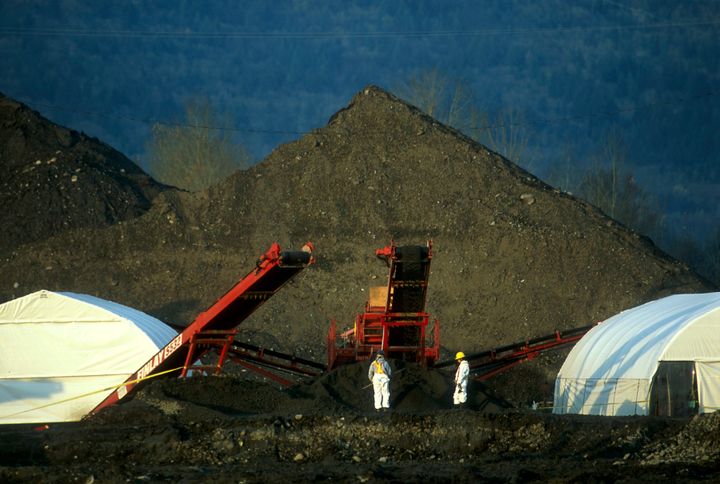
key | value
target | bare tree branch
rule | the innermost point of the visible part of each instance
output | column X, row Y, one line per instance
column 198, row 153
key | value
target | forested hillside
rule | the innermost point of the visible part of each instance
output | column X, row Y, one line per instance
column 571, row 72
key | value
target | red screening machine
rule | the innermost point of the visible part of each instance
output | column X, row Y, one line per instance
column 394, row 319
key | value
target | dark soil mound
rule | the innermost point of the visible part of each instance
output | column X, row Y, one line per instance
column 53, row 179
column 345, row 390
column 413, row 390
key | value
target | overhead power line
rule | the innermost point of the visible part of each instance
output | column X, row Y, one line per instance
column 135, row 119
column 255, row 130
column 340, row 34
column 602, row 114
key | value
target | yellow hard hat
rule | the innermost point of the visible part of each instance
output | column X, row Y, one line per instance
column 459, row 355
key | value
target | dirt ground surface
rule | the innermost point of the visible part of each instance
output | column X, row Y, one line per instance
column 228, row 429
column 513, row 259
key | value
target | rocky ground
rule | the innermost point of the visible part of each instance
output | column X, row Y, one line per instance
column 513, row 259
column 229, row 429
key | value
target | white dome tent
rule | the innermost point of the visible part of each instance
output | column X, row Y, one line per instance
column 58, row 349
column 661, row 358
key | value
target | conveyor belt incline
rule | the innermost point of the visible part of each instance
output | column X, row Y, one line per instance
column 272, row 271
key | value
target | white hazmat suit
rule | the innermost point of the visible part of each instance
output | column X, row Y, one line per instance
column 461, row 381
column 379, row 374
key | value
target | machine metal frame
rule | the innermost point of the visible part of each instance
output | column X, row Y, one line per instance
column 215, row 326
column 394, row 319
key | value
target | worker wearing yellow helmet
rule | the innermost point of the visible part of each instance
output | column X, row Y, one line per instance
column 461, row 379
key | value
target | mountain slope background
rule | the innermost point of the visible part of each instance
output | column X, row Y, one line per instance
column 513, row 257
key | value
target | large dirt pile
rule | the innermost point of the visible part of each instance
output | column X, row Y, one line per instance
column 53, row 179
column 513, row 257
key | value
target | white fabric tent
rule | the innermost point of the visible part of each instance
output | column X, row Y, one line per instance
column 610, row 370
column 58, row 349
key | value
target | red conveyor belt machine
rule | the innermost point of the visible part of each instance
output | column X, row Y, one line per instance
column 488, row 363
column 215, row 327
column 394, row 320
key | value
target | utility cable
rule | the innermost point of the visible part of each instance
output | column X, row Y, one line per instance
column 544, row 122
column 333, row 35
column 77, row 397
column 134, row 119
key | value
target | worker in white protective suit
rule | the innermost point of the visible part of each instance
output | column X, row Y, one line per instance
column 379, row 374
column 461, row 379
